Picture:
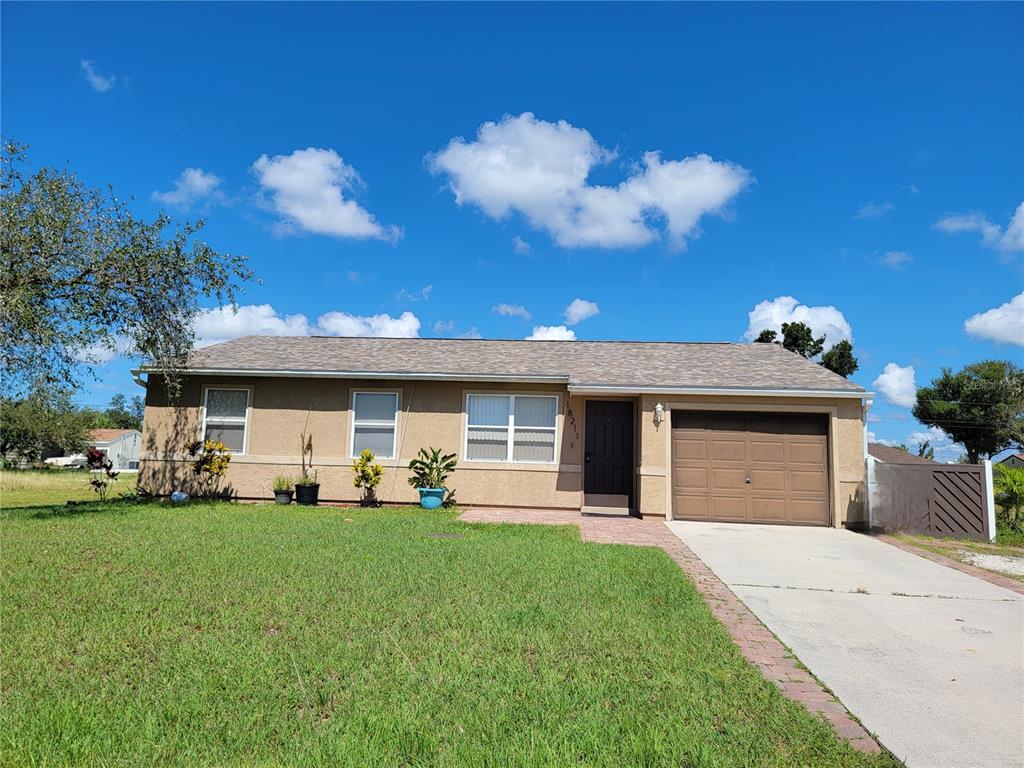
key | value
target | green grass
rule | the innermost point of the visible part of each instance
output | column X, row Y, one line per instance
column 38, row 487
column 954, row 548
column 231, row 635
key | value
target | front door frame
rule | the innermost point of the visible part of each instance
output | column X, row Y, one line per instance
column 833, row 417
column 633, row 506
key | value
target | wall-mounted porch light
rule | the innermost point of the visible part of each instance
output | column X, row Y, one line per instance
column 659, row 414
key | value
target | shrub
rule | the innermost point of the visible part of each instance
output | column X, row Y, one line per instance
column 211, row 459
column 283, row 483
column 100, row 483
column 1009, row 492
column 430, row 469
column 366, row 476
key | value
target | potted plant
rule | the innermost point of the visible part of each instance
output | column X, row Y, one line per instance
column 430, row 470
column 366, row 476
column 283, row 489
column 307, row 489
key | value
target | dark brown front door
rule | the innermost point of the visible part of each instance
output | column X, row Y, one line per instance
column 608, row 450
column 750, row 467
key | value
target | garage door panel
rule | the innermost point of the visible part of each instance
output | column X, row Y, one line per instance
column 808, row 511
column 767, row 480
column 807, row 482
column 767, row 510
column 690, row 450
column 727, row 479
column 729, row 451
column 690, row 478
column 785, row 457
column 692, row 507
column 807, row 453
column 769, row 452
column 728, row 508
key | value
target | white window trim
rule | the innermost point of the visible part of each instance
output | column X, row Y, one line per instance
column 373, row 422
column 510, row 427
column 230, row 419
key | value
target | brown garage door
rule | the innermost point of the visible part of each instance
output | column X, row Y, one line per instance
column 750, row 467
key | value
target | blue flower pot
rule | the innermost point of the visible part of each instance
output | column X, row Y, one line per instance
column 431, row 498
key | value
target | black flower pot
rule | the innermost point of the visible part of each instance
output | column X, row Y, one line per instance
column 307, row 494
column 283, row 497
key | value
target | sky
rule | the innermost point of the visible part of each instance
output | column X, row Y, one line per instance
column 655, row 172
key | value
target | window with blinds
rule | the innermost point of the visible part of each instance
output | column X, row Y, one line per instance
column 374, row 421
column 511, row 428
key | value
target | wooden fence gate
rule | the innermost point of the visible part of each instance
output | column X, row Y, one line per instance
column 933, row 499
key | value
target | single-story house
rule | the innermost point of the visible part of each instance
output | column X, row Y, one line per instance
column 121, row 446
column 1014, row 460
column 726, row 432
column 892, row 455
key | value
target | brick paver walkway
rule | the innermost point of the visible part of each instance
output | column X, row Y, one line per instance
column 754, row 640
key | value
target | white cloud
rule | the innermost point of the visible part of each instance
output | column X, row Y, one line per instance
column 897, row 385
column 521, row 246
column 579, row 310
column 444, row 327
column 472, row 333
column 405, row 326
column 873, row 210
column 101, row 354
column 540, row 170
column 873, row 438
column 307, row 188
column 421, row 295
column 193, row 185
column 896, row 259
column 512, row 310
column 992, row 234
column 552, row 333
column 1004, row 323
column 96, row 80
column 772, row 313
column 222, row 324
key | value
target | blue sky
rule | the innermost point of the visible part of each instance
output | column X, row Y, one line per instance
column 864, row 160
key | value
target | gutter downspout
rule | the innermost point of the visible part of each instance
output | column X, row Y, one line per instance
column 869, row 465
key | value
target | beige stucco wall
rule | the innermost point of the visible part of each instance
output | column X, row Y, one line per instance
column 430, row 414
column 846, row 447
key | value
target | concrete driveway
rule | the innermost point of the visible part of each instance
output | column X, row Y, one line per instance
column 929, row 658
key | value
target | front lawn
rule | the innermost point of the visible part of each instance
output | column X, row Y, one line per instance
column 233, row 635
column 34, row 487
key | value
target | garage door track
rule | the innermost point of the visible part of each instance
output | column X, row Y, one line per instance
column 928, row 658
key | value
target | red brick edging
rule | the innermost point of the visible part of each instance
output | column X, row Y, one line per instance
column 755, row 641
column 971, row 570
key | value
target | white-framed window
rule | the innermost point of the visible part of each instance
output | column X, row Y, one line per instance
column 374, row 423
column 519, row 428
column 226, row 416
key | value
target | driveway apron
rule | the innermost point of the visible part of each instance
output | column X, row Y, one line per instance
column 928, row 658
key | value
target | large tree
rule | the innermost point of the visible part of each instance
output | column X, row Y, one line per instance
column 45, row 422
column 83, row 278
column 799, row 338
column 980, row 407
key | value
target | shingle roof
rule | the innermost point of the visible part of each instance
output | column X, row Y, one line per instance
column 579, row 363
column 106, row 435
column 891, row 455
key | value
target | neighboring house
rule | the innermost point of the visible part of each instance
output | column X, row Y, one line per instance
column 1013, row 460
column 891, row 455
column 728, row 432
column 121, row 446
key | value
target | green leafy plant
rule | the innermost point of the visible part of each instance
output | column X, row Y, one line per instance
column 309, row 476
column 283, row 483
column 1009, row 493
column 430, row 469
column 366, row 476
column 210, row 464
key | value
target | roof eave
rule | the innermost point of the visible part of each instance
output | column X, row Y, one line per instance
column 601, row 389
